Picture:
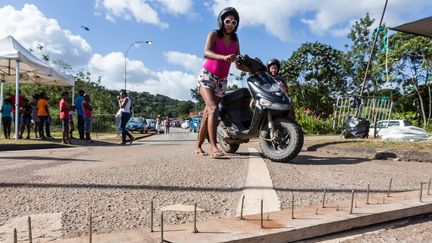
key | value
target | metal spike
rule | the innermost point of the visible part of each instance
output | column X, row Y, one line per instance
column 162, row 229
column 292, row 206
column 389, row 188
column 421, row 191
column 324, row 197
column 90, row 228
column 262, row 209
column 367, row 194
column 195, row 219
column 29, row 230
column 151, row 216
column 429, row 185
column 241, row 209
column 352, row 202
column 15, row 236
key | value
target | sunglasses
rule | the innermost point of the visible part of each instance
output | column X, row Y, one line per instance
column 230, row 22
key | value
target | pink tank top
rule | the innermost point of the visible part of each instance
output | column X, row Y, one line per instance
column 220, row 68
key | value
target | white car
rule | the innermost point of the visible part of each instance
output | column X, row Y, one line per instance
column 397, row 130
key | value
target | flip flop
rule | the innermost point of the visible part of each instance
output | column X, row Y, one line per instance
column 217, row 154
column 201, row 153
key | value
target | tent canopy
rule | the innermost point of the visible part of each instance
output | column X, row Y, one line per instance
column 31, row 68
column 422, row 27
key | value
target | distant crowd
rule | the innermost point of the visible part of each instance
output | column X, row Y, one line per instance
column 36, row 114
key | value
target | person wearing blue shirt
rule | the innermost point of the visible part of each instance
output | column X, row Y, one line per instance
column 80, row 113
column 6, row 110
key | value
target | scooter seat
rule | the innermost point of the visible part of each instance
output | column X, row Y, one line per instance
column 232, row 96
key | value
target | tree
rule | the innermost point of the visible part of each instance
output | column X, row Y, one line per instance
column 315, row 77
column 410, row 61
column 357, row 55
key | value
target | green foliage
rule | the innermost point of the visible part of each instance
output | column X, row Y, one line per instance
column 315, row 76
column 311, row 125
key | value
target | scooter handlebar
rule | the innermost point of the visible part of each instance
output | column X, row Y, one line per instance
column 254, row 65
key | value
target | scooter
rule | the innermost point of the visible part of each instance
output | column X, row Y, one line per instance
column 260, row 111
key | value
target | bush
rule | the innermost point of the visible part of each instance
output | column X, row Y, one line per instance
column 314, row 126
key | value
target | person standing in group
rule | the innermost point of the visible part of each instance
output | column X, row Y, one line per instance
column 221, row 48
column 80, row 114
column 26, row 118
column 64, row 117
column 88, row 117
column 44, row 116
column 35, row 116
column 158, row 124
column 125, row 106
column 6, row 111
column 167, row 125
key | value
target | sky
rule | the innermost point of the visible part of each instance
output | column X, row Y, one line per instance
column 94, row 35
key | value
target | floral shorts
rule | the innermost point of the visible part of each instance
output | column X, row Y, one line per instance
column 210, row 81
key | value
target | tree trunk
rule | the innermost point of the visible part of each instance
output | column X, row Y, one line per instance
column 422, row 108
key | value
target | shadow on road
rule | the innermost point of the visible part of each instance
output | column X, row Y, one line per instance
column 318, row 146
column 178, row 188
column 314, row 160
column 46, row 158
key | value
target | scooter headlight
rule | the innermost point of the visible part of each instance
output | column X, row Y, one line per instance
column 265, row 103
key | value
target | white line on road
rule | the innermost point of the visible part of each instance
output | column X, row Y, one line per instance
column 259, row 185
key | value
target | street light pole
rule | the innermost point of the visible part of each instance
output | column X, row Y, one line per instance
column 148, row 42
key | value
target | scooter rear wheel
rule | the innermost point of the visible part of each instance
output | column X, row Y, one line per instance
column 286, row 144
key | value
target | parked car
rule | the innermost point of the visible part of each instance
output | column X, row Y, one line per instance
column 397, row 130
column 151, row 125
column 137, row 124
column 194, row 123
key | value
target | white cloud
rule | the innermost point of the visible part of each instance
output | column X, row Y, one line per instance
column 31, row 28
column 188, row 61
column 142, row 11
column 176, row 6
column 110, row 68
column 138, row 10
column 322, row 17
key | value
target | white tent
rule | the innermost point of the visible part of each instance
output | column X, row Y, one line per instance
column 19, row 65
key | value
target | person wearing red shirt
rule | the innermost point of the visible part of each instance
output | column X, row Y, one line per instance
column 64, row 116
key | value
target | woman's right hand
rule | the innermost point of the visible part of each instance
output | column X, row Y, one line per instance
column 230, row 58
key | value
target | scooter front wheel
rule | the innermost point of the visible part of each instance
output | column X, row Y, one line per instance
column 287, row 141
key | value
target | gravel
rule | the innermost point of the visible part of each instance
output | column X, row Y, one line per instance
column 117, row 183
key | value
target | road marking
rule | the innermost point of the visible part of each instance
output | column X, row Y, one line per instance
column 259, row 185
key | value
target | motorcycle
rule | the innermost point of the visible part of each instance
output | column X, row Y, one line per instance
column 260, row 111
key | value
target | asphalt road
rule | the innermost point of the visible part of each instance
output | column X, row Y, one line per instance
column 59, row 187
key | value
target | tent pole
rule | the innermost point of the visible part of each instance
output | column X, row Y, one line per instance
column 73, row 95
column 1, row 96
column 371, row 57
column 17, row 73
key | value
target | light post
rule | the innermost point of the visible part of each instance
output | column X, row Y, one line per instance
column 148, row 42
